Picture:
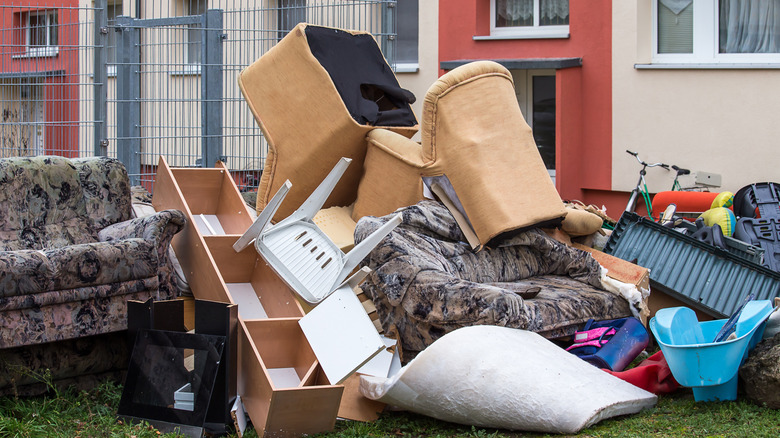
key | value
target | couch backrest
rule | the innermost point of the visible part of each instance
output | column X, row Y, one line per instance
column 51, row 202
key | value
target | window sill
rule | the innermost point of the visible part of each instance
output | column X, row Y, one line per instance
column 407, row 67
column 187, row 70
column 546, row 32
column 540, row 36
column 707, row 66
column 42, row 52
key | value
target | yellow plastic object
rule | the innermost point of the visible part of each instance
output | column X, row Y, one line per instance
column 721, row 216
column 724, row 199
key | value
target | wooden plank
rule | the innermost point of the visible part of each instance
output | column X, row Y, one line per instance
column 231, row 209
column 249, row 306
column 190, row 248
column 254, row 384
column 617, row 268
column 303, row 411
column 200, row 187
column 354, row 406
column 277, row 298
column 232, row 266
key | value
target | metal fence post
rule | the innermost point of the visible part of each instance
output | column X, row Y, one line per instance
column 128, row 111
column 99, row 78
column 211, row 88
column 388, row 30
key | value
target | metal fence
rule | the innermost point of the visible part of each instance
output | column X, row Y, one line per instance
column 140, row 79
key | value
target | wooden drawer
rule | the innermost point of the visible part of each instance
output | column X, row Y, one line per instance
column 282, row 385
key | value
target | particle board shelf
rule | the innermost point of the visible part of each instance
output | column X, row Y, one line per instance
column 280, row 381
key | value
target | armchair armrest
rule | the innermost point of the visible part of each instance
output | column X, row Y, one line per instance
column 396, row 145
column 391, row 174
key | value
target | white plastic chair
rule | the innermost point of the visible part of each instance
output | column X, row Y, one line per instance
column 299, row 252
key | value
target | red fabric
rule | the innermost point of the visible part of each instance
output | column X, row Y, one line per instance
column 652, row 374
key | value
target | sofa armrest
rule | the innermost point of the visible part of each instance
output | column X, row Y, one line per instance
column 158, row 228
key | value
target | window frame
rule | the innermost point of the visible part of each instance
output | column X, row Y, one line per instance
column 48, row 49
column 409, row 39
column 192, row 46
column 705, row 40
column 116, row 8
column 535, row 31
column 524, row 92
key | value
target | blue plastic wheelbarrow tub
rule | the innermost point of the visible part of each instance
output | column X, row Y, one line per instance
column 696, row 361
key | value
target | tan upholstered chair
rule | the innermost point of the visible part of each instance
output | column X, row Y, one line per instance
column 316, row 94
column 474, row 133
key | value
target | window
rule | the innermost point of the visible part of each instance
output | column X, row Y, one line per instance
column 407, row 29
column 529, row 18
column 724, row 31
column 291, row 12
column 194, row 34
column 113, row 10
column 41, row 32
column 536, row 96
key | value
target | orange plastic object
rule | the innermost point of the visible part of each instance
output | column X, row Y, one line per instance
column 687, row 202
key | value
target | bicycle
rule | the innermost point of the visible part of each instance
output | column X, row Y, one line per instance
column 680, row 172
column 641, row 185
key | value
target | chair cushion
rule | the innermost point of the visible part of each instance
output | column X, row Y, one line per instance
column 426, row 281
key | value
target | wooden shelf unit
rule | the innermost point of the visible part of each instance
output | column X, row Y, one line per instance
column 272, row 350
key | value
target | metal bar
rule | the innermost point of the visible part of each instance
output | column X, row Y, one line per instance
column 100, row 76
column 388, row 31
column 170, row 21
column 32, row 74
column 128, row 112
column 211, row 88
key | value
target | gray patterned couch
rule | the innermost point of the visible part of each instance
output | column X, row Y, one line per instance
column 71, row 255
column 426, row 281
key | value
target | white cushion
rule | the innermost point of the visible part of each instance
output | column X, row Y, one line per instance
column 506, row 378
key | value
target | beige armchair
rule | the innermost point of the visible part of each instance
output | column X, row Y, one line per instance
column 316, row 95
column 473, row 133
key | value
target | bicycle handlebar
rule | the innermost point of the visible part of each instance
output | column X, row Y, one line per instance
column 636, row 155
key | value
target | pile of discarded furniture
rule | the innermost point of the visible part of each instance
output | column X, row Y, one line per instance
column 437, row 276
column 350, row 190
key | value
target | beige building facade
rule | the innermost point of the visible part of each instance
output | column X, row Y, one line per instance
column 707, row 111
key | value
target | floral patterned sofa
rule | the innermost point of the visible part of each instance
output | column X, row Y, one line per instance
column 71, row 255
column 426, row 281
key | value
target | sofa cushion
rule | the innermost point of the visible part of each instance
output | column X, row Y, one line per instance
column 106, row 190
column 52, row 202
column 31, row 272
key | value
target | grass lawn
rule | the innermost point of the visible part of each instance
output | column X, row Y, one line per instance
column 69, row 413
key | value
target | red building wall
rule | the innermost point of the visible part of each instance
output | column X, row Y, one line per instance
column 58, row 74
column 583, row 94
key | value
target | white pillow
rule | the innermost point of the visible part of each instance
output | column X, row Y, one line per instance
column 506, row 378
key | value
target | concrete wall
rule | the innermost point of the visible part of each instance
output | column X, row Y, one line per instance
column 714, row 120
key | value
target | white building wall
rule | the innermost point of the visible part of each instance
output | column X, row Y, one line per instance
column 419, row 82
column 721, row 121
